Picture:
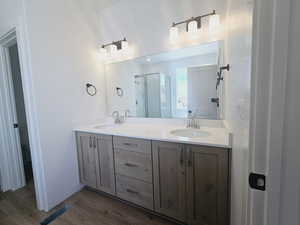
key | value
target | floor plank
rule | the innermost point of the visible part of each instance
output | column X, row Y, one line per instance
column 87, row 208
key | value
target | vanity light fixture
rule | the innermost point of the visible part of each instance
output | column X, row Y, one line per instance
column 113, row 47
column 194, row 24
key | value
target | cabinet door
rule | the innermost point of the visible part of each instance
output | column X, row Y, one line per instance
column 87, row 159
column 169, row 179
column 105, row 164
column 207, row 185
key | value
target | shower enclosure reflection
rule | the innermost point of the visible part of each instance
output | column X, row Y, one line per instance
column 173, row 95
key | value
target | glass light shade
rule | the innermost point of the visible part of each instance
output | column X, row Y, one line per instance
column 113, row 49
column 124, row 45
column 102, row 51
column 174, row 34
column 192, row 27
column 214, row 23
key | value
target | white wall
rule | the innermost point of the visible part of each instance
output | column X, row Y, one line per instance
column 290, row 196
column 237, row 99
column 63, row 44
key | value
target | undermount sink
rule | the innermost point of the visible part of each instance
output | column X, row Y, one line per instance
column 190, row 133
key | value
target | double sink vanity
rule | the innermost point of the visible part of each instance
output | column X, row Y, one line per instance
column 179, row 173
column 151, row 160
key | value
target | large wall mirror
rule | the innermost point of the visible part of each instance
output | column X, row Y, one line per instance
column 169, row 84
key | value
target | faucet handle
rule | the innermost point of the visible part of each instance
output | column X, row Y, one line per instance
column 126, row 114
column 115, row 114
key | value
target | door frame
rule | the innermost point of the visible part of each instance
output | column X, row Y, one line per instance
column 268, row 88
column 15, row 178
column 20, row 35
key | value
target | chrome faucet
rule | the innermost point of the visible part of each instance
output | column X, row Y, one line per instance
column 118, row 119
column 191, row 121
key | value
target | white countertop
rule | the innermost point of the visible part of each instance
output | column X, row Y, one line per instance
column 219, row 137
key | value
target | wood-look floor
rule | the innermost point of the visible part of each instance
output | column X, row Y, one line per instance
column 87, row 208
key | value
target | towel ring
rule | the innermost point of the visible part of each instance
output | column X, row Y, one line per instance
column 119, row 91
column 91, row 89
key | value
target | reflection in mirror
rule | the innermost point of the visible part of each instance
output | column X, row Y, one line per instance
column 168, row 85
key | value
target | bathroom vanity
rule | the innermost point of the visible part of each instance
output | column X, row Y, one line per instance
column 153, row 161
column 185, row 179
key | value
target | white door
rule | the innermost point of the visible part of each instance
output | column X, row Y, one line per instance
column 12, row 170
column 290, row 174
column 270, row 44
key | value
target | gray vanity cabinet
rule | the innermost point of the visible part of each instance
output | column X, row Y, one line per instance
column 191, row 183
column 207, row 185
column 96, row 161
column 87, row 159
column 169, row 172
column 105, row 164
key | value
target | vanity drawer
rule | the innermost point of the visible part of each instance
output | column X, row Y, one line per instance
column 131, row 144
column 135, row 191
column 134, row 164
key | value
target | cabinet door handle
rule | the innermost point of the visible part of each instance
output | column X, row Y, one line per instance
column 181, row 155
column 131, row 165
column 132, row 191
column 91, row 145
column 190, row 161
column 130, row 144
column 95, row 142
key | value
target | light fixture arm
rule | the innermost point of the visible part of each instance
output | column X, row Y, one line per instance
column 198, row 19
column 116, row 43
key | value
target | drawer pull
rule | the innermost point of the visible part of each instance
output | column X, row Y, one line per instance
column 132, row 191
column 131, row 145
column 190, row 161
column 90, row 143
column 95, row 142
column 131, row 165
column 181, row 156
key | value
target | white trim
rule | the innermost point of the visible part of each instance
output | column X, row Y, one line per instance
column 31, row 115
column 270, row 45
column 32, row 118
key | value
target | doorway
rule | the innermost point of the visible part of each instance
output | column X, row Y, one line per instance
column 15, row 153
column 12, row 170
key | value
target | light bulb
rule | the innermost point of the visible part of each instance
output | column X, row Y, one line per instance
column 174, row 34
column 113, row 49
column 192, row 27
column 103, row 52
column 124, row 45
column 214, row 23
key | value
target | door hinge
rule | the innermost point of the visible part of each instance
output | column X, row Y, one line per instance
column 257, row 181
